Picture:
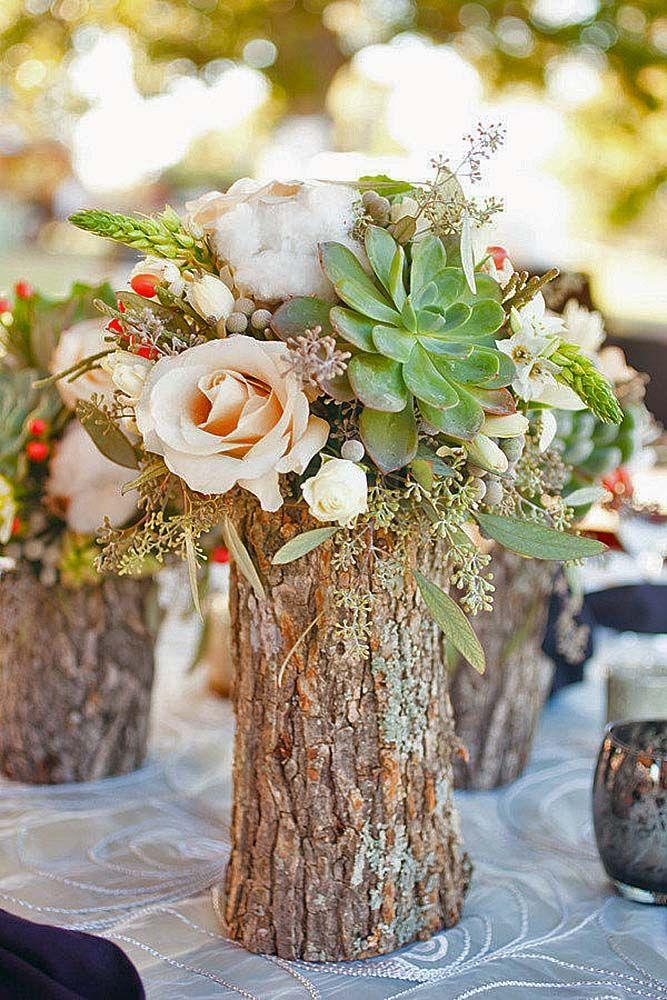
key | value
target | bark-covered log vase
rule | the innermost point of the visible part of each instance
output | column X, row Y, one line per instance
column 496, row 713
column 76, row 672
column 345, row 840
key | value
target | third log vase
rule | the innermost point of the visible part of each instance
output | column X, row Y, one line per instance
column 496, row 713
column 345, row 840
column 76, row 673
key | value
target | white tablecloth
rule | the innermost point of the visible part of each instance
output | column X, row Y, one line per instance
column 132, row 859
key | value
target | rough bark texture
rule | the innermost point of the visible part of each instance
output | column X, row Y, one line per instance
column 345, row 842
column 496, row 713
column 76, row 670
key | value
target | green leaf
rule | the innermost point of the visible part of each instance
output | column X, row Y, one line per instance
column 506, row 370
column 339, row 388
column 425, row 381
column 439, row 323
column 422, row 471
column 487, row 288
column 536, row 540
column 389, row 438
column 241, row 557
column 425, row 297
column 450, row 283
column 440, row 467
column 377, row 382
column 477, row 369
column 384, row 185
column 586, row 495
column 454, row 624
column 408, row 317
column 393, row 342
column 353, row 284
column 297, row 315
column 387, row 260
column 499, row 402
column 462, row 421
column 106, row 436
column 191, row 559
column 353, row 327
column 428, row 257
column 486, row 317
column 302, row 544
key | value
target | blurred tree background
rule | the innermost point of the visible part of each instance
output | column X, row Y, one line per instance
column 132, row 102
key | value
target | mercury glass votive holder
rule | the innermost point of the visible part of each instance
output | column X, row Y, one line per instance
column 630, row 808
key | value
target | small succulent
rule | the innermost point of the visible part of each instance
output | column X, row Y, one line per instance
column 419, row 336
column 595, row 449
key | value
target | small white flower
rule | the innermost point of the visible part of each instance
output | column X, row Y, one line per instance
column 548, row 428
column 339, row 491
column 128, row 372
column 584, row 327
column 210, row 297
column 511, row 425
column 164, row 270
column 500, row 274
column 534, row 319
column 7, row 510
column 534, row 371
column 486, row 453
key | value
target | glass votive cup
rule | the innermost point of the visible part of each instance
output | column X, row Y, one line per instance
column 630, row 808
column 637, row 690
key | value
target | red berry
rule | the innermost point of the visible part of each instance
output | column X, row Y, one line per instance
column 144, row 284
column 146, row 351
column 499, row 255
column 220, row 554
column 121, row 306
column 114, row 326
column 5, row 306
column 37, row 451
column 24, row 289
column 37, row 427
column 16, row 525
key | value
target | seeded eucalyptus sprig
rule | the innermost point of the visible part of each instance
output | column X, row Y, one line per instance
column 162, row 236
column 579, row 373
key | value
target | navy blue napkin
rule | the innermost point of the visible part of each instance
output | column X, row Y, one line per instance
column 40, row 962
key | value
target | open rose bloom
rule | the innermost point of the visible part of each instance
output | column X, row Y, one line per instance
column 226, row 414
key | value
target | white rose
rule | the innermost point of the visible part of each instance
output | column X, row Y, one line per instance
column 210, row 297
column 86, row 485
column 338, row 492
column 128, row 372
column 270, row 234
column 78, row 342
column 225, row 413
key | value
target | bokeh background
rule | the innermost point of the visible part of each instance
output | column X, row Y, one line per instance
column 127, row 104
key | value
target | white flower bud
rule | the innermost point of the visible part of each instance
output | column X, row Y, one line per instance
column 512, row 425
column 339, row 491
column 486, row 453
column 210, row 297
column 548, row 428
column 128, row 372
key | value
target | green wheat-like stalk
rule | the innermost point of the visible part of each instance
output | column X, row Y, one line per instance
column 162, row 236
column 579, row 373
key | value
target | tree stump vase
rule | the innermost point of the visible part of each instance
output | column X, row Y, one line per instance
column 496, row 713
column 345, row 841
column 76, row 672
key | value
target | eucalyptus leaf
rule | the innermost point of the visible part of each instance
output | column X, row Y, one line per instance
column 586, row 495
column 241, row 557
column 302, row 544
column 105, row 434
column 389, row 438
column 191, row 559
column 454, row 624
column 536, row 540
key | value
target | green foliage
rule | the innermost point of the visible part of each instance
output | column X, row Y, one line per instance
column 301, row 545
column 454, row 624
column 537, row 541
column 241, row 557
column 162, row 236
column 595, row 448
column 103, row 429
column 579, row 373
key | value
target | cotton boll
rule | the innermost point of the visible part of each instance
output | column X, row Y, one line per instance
column 270, row 235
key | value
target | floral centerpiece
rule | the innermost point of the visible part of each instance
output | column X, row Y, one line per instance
column 336, row 376
column 76, row 656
